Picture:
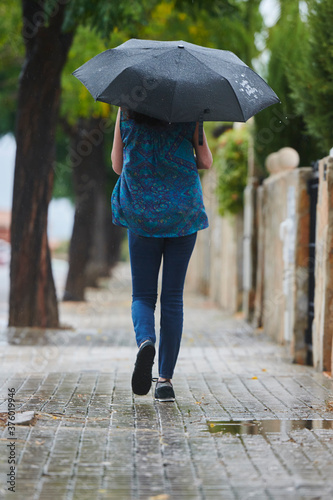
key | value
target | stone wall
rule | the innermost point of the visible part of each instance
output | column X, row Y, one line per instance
column 261, row 263
column 322, row 328
column 216, row 266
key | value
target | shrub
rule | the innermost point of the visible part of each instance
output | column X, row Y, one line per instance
column 230, row 162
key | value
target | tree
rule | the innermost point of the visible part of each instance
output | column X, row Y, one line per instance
column 86, row 186
column 95, row 242
column 32, row 292
column 85, row 257
column 87, row 124
column 48, row 29
column 224, row 24
column 11, row 56
column 284, row 125
column 199, row 26
column 311, row 77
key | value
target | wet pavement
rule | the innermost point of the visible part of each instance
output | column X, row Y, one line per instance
column 247, row 423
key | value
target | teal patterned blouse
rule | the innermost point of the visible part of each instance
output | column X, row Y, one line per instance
column 158, row 192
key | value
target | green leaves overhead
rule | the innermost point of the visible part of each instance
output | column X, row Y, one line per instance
column 228, row 25
column 76, row 101
column 311, row 77
column 11, row 56
column 105, row 15
column 284, row 125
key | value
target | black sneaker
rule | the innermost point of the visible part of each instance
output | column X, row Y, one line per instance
column 164, row 391
column 142, row 376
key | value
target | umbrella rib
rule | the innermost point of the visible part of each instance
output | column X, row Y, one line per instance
column 174, row 89
column 240, row 107
column 248, row 68
column 213, row 71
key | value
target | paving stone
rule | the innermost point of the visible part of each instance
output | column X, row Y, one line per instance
column 247, row 423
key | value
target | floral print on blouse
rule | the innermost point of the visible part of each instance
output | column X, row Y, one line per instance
column 158, row 193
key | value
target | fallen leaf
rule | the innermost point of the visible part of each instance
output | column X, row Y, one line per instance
column 254, row 378
column 24, row 417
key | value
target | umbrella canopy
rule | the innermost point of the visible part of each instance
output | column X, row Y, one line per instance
column 176, row 81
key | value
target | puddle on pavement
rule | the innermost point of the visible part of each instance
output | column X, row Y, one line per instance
column 264, row 426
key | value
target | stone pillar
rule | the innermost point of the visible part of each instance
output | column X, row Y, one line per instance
column 322, row 328
column 231, row 284
column 249, row 248
column 216, row 266
column 286, row 246
column 259, row 293
column 300, row 293
column 199, row 270
column 215, row 238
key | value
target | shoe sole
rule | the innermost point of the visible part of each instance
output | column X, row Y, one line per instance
column 165, row 400
column 141, row 378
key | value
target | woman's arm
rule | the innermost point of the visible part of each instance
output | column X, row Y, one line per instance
column 203, row 154
column 117, row 148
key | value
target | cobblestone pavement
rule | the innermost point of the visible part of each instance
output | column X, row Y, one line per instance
column 247, row 423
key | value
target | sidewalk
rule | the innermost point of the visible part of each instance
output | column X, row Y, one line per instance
column 247, row 423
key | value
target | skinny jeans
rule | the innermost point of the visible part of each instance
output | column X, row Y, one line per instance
column 146, row 256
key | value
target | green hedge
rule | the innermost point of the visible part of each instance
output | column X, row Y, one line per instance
column 230, row 162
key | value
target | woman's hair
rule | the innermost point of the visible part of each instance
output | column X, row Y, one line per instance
column 145, row 119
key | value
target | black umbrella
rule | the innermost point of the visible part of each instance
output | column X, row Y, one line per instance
column 176, row 81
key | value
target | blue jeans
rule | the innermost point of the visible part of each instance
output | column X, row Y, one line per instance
column 146, row 256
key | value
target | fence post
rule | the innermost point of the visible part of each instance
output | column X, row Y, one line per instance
column 313, row 194
column 249, row 248
column 322, row 328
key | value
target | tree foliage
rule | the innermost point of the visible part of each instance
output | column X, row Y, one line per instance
column 48, row 28
column 103, row 16
column 76, row 105
column 11, row 56
column 284, row 125
column 225, row 24
column 311, row 77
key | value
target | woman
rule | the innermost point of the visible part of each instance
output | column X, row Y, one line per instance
column 158, row 198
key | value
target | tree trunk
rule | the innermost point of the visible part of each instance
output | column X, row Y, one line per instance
column 95, row 241
column 115, row 235
column 106, row 239
column 33, row 299
column 87, row 177
column 97, row 265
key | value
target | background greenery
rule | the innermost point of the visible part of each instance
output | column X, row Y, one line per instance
column 298, row 55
